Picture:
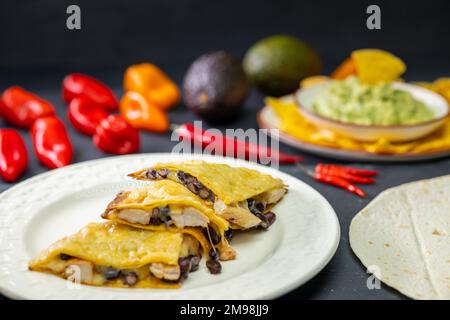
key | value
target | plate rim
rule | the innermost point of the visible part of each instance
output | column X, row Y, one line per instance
column 326, row 255
column 346, row 155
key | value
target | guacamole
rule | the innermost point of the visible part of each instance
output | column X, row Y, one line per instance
column 381, row 104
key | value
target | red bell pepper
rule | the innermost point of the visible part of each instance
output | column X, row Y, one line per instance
column 77, row 84
column 22, row 108
column 115, row 135
column 13, row 155
column 51, row 143
column 85, row 116
column 2, row 106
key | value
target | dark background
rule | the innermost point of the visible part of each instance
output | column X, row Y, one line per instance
column 36, row 51
column 115, row 33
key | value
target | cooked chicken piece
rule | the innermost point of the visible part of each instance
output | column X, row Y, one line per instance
column 189, row 217
column 236, row 215
column 190, row 246
column 165, row 271
column 79, row 271
column 273, row 196
column 135, row 216
column 226, row 252
column 219, row 206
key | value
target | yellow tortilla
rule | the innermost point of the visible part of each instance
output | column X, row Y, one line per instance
column 229, row 184
column 162, row 193
column 117, row 246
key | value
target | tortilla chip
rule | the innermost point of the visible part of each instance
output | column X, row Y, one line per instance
column 374, row 66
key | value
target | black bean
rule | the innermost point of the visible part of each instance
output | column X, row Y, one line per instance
column 163, row 173
column 195, row 261
column 260, row 206
column 197, row 183
column 252, row 207
column 64, row 256
column 264, row 224
column 111, row 273
column 214, row 267
column 151, row 174
column 155, row 221
column 164, row 210
column 190, row 179
column 214, row 254
column 192, row 188
column 203, row 193
column 229, row 234
column 164, row 215
column 181, row 176
column 271, row 217
column 130, row 278
column 215, row 238
column 212, row 197
column 155, row 212
column 185, row 264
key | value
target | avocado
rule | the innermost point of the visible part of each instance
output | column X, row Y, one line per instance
column 277, row 64
column 215, row 86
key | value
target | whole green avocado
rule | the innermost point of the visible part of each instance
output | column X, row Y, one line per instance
column 215, row 86
column 278, row 63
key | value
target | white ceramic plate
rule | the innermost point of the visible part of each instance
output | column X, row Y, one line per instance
column 49, row 206
column 395, row 133
column 268, row 119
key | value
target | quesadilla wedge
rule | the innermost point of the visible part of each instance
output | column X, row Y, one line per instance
column 166, row 205
column 242, row 196
column 114, row 255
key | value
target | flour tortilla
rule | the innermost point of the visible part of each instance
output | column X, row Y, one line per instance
column 405, row 232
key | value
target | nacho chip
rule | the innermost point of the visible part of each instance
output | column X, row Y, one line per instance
column 374, row 65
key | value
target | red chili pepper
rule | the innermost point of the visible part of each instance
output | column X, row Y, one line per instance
column 85, row 116
column 339, row 182
column 13, row 155
column 249, row 150
column 349, row 170
column 115, row 135
column 51, row 143
column 22, row 108
column 77, row 84
column 328, row 170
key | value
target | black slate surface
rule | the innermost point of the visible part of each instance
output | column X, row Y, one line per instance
column 344, row 277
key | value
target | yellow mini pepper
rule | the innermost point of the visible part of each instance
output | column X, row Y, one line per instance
column 153, row 83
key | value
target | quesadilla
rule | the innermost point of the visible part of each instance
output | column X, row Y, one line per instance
column 404, row 234
column 242, row 196
column 114, row 255
column 166, row 205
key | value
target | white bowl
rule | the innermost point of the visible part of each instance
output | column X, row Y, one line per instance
column 395, row 133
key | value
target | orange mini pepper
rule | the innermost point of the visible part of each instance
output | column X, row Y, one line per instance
column 142, row 113
column 345, row 69
column 153, row 83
